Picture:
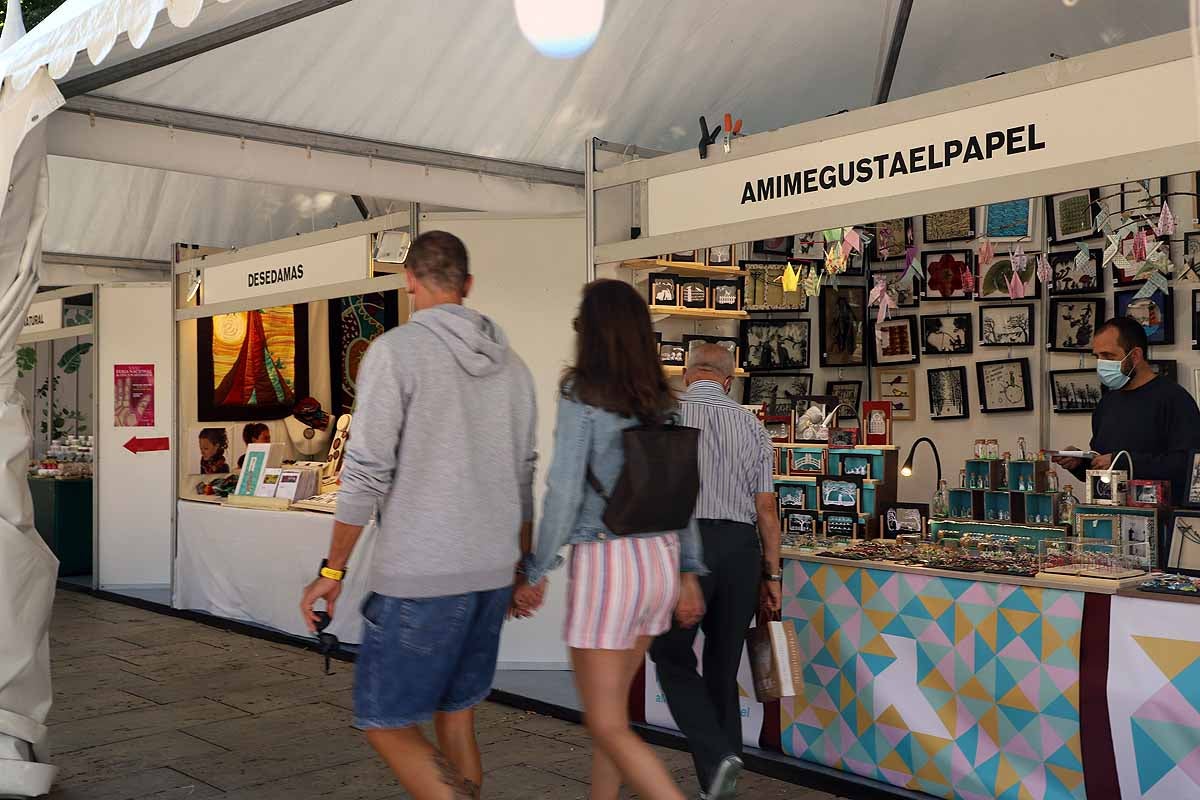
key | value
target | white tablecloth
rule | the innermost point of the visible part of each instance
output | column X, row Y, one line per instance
column 252, row 565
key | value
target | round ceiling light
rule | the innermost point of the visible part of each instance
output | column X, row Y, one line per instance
column 560, row 29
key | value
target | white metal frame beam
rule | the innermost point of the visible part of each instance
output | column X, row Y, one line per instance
column 178, row 119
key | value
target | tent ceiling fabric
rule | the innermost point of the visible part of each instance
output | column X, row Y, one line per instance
column 137, row 212
column 458, row 75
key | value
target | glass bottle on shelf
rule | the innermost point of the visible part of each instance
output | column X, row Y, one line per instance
column 962, row 479
column 940, row 507
column 1066, row 506
column 1051, row 481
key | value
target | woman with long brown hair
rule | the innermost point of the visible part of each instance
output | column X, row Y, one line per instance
column 622, row 589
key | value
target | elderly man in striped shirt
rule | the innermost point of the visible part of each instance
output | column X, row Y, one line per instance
column 739, row 526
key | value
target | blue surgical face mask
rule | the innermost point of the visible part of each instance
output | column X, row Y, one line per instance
column 1111, row 373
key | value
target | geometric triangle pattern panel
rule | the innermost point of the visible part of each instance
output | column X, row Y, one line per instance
column 960, row 689
column 1154, row 697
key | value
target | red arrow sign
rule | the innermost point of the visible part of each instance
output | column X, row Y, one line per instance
column 136, row 445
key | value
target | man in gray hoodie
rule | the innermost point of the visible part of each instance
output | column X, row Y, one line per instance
column 445, row 410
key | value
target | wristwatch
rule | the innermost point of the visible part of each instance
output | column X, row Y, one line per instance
column 327, row 571
column 776, row 577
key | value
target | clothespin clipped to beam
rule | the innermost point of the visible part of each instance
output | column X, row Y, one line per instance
column 706, row 138
column 732, row 129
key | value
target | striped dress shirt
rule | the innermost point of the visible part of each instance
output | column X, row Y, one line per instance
column 737, row 457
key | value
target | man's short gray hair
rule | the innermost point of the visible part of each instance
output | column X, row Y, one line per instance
column 711, row 358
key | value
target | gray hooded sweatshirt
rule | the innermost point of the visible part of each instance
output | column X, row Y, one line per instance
column 442, row 445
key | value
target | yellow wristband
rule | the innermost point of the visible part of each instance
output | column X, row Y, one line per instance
column 332, row 574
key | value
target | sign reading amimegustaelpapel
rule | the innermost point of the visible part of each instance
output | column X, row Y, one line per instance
column 303, row 268
column 1044, row 130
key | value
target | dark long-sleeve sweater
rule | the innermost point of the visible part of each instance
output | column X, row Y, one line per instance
column 1158, row 424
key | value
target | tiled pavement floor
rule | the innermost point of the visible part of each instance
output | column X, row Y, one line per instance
column 152, row 706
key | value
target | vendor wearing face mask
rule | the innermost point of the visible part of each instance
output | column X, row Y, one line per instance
column 1152, row 418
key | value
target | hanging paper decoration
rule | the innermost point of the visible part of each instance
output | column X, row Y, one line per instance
column 812, row 281
column 1110, row 252
column 1155, row 282
column 1103, row 221
column 1087, row 251
column 968, row 280
column 790, row 279
column 910, row 260
column 1119, row 261
column 833, row 235
column 1166, row 222
column 1018, row 258
column 835, row 259
column 986, row 253
column 1139, row 245
column 1016, row 286
column 852, row 242
column 882, row 296
column 1044, row 272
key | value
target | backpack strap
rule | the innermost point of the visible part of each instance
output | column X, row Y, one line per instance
column 597, row 487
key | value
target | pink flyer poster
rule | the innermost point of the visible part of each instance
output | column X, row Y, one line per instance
column 133, row 396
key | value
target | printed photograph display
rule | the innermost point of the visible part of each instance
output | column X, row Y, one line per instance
column 251, row 365
column 1156, row 313
column 946, row 334
column 1068, row 277
column 1075, row 391
column 948, row 393
column 949, row 226
column 1073, row 323
column 1004, row 326
column 895, row 340
column 944, row 272
column 1004, row 385
column 770, row 344
column 841, row 318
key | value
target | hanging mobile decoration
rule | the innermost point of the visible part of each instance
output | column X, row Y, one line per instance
column 1166, row 222
column 1044, row 272
column 986, row 253
column 1110, row 252
column 790, row 279
column 1139, row 245
column 968, row 279
column 1103, row 221
column 835, row 259
column 812, row 281
column 882, row 295
column 1018, row 258
column 910, row 262
column 851, row 241
column 1016, row 286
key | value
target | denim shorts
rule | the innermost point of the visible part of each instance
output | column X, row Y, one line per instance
column 427, row 654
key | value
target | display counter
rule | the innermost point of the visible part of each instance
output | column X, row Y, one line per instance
column 62, row 511
column 252, row 565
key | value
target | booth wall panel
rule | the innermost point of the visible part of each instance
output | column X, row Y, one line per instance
column 136, row 494
column 528, row 275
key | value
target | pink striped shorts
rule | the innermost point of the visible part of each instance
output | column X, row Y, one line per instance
column 620, row 589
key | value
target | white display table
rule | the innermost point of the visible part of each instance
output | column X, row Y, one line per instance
column 252, row 565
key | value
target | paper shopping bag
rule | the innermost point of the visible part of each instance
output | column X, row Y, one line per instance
column 774, row 660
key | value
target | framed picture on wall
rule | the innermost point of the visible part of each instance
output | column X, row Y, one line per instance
column 898, row 387
column 1196, row 319
column 1165, row 368
column 992, row 281
column 841, row 316
column 1004, row 385
column 949, row 226
column 664, row 290
column 1075, row 391
column 1010, row 221
column 771, row 344
column 946, row 334
column 905, row 289
column 720, row 256
column 893, row 237
column 672, row 354
column 1006, row 326
column 1156, row 313
column 235, row 382
column 1134, row 271
column 1068, row 277
column 691, row 340
column 779, row 246
column 1145, row 196
column 778, row 390
column 1191, row 249
column 1071, row 215
column 355, row 322
column 764, row 288
column 839, row 493
column 685, row 256
column 944, row 271
column 948, row 396
column 848, row 392
column 1073, row 323
column 895, row 340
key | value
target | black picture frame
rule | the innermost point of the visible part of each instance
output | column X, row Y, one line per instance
column 720, row 256
column 1067, row 280
column 346, row 339
column 888, row 530
column 836, row 523
column 1165, row 368
column 731, row 343
column 755, row 358
column 672, row 361
column 933, row 237
column 800, row 522
column 779, row 246
column 1157, row 190
column 856, row 460
column 208, row 410
column 787, row 493
column 778, row 390
column 1053, row 233
column 898, row 246
column 1065, row 341
column 683, row 257
column 942, row 268
column 841, row 316
column 852, row 397
column 683, row 286
column 1004, row 392
column 907, row 287
column 1196, row 319
column 717, row 285
column 898, row 322
column 989, row 337
column 1124, row 305
column 936, row 341
column 1191, row 248
column 987, row 277
column 1121, row 278
column 1075, row 391
column 833, row 482
column 941, row 380
column 656, row 287
column 763, row 283
column 1191, row 491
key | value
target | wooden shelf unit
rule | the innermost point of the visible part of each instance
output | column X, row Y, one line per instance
column 682, row 268
column 696, row 313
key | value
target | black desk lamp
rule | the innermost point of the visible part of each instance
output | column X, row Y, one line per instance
column 907, row 469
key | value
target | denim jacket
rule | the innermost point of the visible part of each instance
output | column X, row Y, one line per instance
column 572, row 511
